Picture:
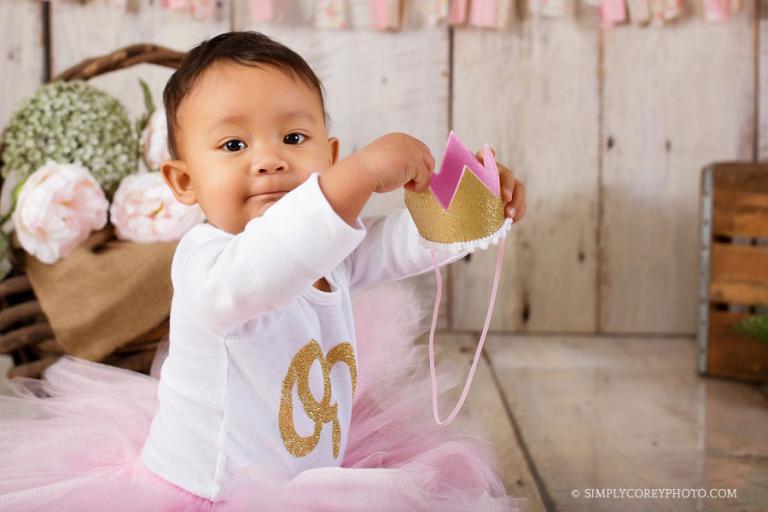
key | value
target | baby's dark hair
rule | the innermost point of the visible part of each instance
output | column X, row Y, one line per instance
column 249, row 48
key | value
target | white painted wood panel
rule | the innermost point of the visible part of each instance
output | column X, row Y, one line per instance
column 531, row 92
column 676, row 99
column 21, row 54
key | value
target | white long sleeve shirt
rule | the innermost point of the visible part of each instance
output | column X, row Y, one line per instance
column 261, row 364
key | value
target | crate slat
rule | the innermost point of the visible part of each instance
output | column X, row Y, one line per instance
column 741, row 200
column 734, row 355
column 739, row 274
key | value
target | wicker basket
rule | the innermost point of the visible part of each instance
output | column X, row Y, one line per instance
column 25, row 333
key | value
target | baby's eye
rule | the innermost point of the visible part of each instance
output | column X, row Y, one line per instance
column 291, row 138
column 231, row 145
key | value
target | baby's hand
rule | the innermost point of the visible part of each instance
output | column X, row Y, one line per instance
column 512, row 190
column 398, row 160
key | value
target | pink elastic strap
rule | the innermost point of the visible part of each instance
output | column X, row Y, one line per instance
column 499, row 258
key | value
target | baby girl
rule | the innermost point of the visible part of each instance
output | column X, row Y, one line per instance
column 262, row 290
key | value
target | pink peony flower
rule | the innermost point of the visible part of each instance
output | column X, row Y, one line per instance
column 57, row 208
column 154, row 141
column 145, row 210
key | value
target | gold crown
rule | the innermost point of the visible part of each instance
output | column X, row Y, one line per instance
column 462, row 206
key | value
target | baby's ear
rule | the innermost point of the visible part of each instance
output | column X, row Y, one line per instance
column 176, row 176
column 334, row 142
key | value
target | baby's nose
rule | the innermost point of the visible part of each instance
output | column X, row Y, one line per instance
column 270, row 165
column 266, row 169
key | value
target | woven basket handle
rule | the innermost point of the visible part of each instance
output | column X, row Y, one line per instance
column 122, row 58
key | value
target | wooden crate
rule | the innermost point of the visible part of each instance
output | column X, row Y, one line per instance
column 733, row 279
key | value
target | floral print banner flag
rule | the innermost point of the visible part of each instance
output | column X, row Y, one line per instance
column 639, row 11
column 331, row 14
column 433, row 11
column 549, row 8
column 665, row 10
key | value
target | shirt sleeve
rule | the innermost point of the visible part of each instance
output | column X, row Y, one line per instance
column 391, row 250
column 228, row 279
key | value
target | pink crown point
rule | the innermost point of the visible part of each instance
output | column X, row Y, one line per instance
column 456, row 159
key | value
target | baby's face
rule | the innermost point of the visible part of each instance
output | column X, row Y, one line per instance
column 247, row 135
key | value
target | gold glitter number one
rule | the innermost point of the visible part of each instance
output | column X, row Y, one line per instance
column 319, row 412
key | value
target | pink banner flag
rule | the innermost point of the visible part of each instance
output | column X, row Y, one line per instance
column 384, row 14
column 262, row 10
column 457, row 12
column 483, row 13
column 717, row 10
column 176, row 4
column 612, row 12
column 203, row 9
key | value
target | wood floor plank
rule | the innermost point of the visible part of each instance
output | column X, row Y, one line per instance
column 484, row 414
column 613, row 413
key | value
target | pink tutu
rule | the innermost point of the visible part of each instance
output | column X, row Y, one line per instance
column 71, row 441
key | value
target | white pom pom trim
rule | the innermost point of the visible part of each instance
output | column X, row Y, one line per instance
column 470, row 245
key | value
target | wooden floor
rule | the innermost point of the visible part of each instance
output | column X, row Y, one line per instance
column 597, row 413
column 583, row 414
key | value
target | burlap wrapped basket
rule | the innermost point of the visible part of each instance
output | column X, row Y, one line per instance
column 109, row 300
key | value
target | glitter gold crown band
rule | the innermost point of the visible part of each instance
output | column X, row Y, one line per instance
column 463, row 207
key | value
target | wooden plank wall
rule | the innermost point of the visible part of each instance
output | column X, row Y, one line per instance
column 608, row 129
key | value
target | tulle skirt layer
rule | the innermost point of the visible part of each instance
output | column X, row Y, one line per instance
column 71, row 441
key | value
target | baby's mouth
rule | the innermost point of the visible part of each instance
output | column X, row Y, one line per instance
column 270, row 195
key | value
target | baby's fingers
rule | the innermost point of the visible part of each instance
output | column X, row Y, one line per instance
column 480, row 154
column 508, row 182
column 517, row 208
column 423, row 172
column 423, row 176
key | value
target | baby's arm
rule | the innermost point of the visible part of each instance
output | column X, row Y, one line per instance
column 391, row 251
column 227, row 279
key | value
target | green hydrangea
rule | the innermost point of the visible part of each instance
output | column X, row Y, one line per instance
column 72, row 122
column 754, row 326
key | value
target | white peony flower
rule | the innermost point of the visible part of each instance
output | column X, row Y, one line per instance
column 154, row 140
column 145, row 210
column 57, row 208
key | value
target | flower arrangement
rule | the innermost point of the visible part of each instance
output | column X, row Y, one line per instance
column 70, row 156
column 72, row 122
